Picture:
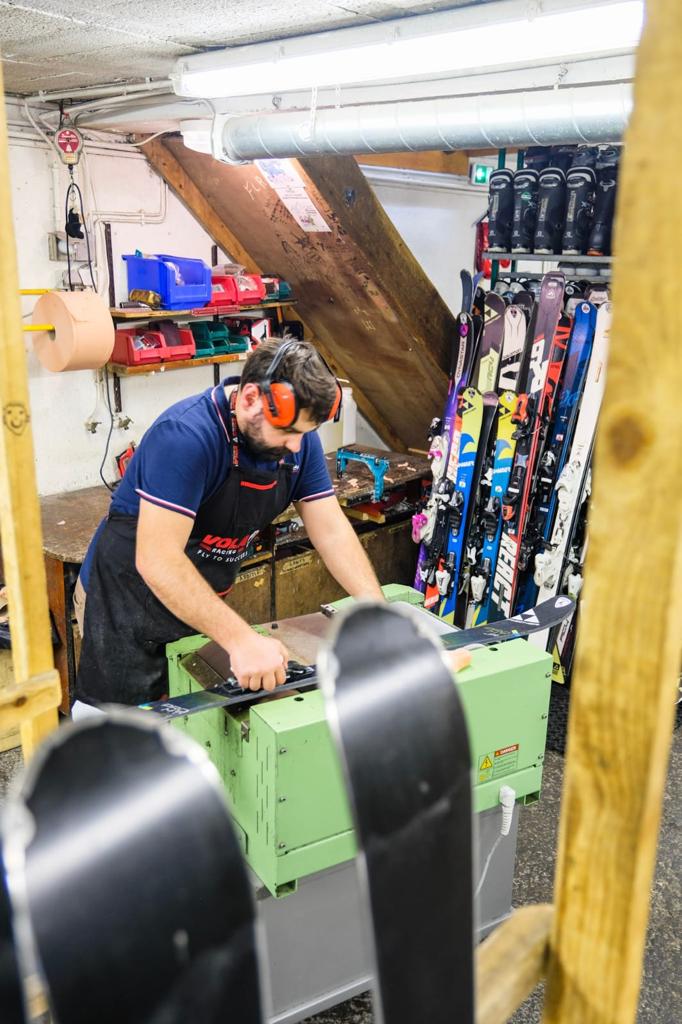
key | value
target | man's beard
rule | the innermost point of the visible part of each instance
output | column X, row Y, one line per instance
column 253, row 440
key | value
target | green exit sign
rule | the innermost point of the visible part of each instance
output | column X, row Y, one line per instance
column 479, row 174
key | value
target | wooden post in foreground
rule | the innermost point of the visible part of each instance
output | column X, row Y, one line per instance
column 32, row 701
column 628, row 655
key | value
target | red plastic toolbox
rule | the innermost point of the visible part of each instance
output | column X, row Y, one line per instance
column 135, row 345
column 179, row 340
column 224, row 290
column 250, row 289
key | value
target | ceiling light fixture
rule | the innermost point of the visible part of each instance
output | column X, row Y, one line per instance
column 451, row 42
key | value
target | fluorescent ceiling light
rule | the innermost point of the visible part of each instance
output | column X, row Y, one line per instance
column 452, row 42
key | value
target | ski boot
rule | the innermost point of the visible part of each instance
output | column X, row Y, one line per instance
column 525, row 210
column 551, row 211
column 581, row 184
column 537, row 158
column 607, row 182
column 563, row 157
column 500, row 210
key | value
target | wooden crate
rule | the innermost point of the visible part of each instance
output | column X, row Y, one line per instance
column 251, row 596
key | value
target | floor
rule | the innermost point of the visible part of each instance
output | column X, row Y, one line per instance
column 661, row 997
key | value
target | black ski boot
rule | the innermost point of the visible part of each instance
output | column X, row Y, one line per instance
column 581, row 184
column 500, row 210
column 536, row 158
column 525, row 210
column 605, row 204
column 551, row 211
column 563, row 157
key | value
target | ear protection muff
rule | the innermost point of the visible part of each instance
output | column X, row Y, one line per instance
column 280, row 404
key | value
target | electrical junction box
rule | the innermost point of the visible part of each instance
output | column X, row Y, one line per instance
column 283, row 781
column 57, row 243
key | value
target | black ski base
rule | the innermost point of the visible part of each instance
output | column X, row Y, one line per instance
column 303, row 677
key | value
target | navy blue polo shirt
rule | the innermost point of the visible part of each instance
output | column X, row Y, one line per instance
column 186, row 456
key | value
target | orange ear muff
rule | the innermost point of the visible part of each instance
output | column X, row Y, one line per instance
column 335, row 410
column 280, row 406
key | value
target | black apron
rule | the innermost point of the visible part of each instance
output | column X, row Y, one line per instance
column 126, row 627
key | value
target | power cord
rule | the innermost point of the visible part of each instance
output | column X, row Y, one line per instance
column 507, row 799
column 73, row 187
column 111, row 430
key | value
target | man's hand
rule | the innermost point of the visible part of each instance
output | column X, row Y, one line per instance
column 257, row 662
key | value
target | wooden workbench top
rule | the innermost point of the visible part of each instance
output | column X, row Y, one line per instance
column 357, row 483
column 70, row 520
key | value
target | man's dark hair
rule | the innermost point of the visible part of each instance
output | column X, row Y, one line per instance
column 302, row 367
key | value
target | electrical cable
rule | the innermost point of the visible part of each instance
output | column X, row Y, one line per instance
column 29, row 115
column 488, row 859
column 149, row 138
column 111, row 430
column 507, row 801
column 73, row 187
column 66, row 230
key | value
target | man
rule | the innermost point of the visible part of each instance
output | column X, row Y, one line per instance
column 211, row 472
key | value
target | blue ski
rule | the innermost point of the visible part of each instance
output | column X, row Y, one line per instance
column 478, row 414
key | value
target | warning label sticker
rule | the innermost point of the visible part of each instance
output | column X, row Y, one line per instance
column 497, row 763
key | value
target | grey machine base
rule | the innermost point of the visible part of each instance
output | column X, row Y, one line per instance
column 316, row 944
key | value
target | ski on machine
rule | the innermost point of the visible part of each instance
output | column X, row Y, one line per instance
column 304, row 677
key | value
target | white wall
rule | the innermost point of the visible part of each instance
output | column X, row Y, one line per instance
column 67, row 455
column 435, row 214
column 435, row 222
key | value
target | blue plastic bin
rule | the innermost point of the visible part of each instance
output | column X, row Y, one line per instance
column 182, row 283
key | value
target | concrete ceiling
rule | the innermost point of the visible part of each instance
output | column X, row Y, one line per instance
column 59, row 44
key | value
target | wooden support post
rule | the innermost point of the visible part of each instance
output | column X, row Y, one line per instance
column 31, row 702
column 511, row 962
column 628, row 654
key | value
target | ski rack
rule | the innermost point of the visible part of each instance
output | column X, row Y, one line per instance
column 538, row 257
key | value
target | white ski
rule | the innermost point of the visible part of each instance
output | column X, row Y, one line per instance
column 570, row 485
column 512, row 348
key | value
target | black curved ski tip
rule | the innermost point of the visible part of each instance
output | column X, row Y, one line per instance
column 399, row 727
column 129, row 892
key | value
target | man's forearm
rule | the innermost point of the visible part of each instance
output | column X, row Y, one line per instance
column 183, row 590
column 347, row 561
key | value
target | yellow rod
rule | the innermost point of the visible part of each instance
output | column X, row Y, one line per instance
column 38, row 327
column 35, row 291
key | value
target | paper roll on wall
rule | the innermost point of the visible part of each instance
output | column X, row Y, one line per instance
column 84, row 335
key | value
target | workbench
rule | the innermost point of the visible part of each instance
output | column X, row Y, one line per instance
column 69, row 521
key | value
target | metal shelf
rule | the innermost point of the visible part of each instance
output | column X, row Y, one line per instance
column 534, row 257
column 535, row 276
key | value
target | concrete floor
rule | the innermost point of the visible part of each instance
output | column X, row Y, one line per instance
column 661, row 996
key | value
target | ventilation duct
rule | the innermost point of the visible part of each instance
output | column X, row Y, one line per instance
column 589, row 114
